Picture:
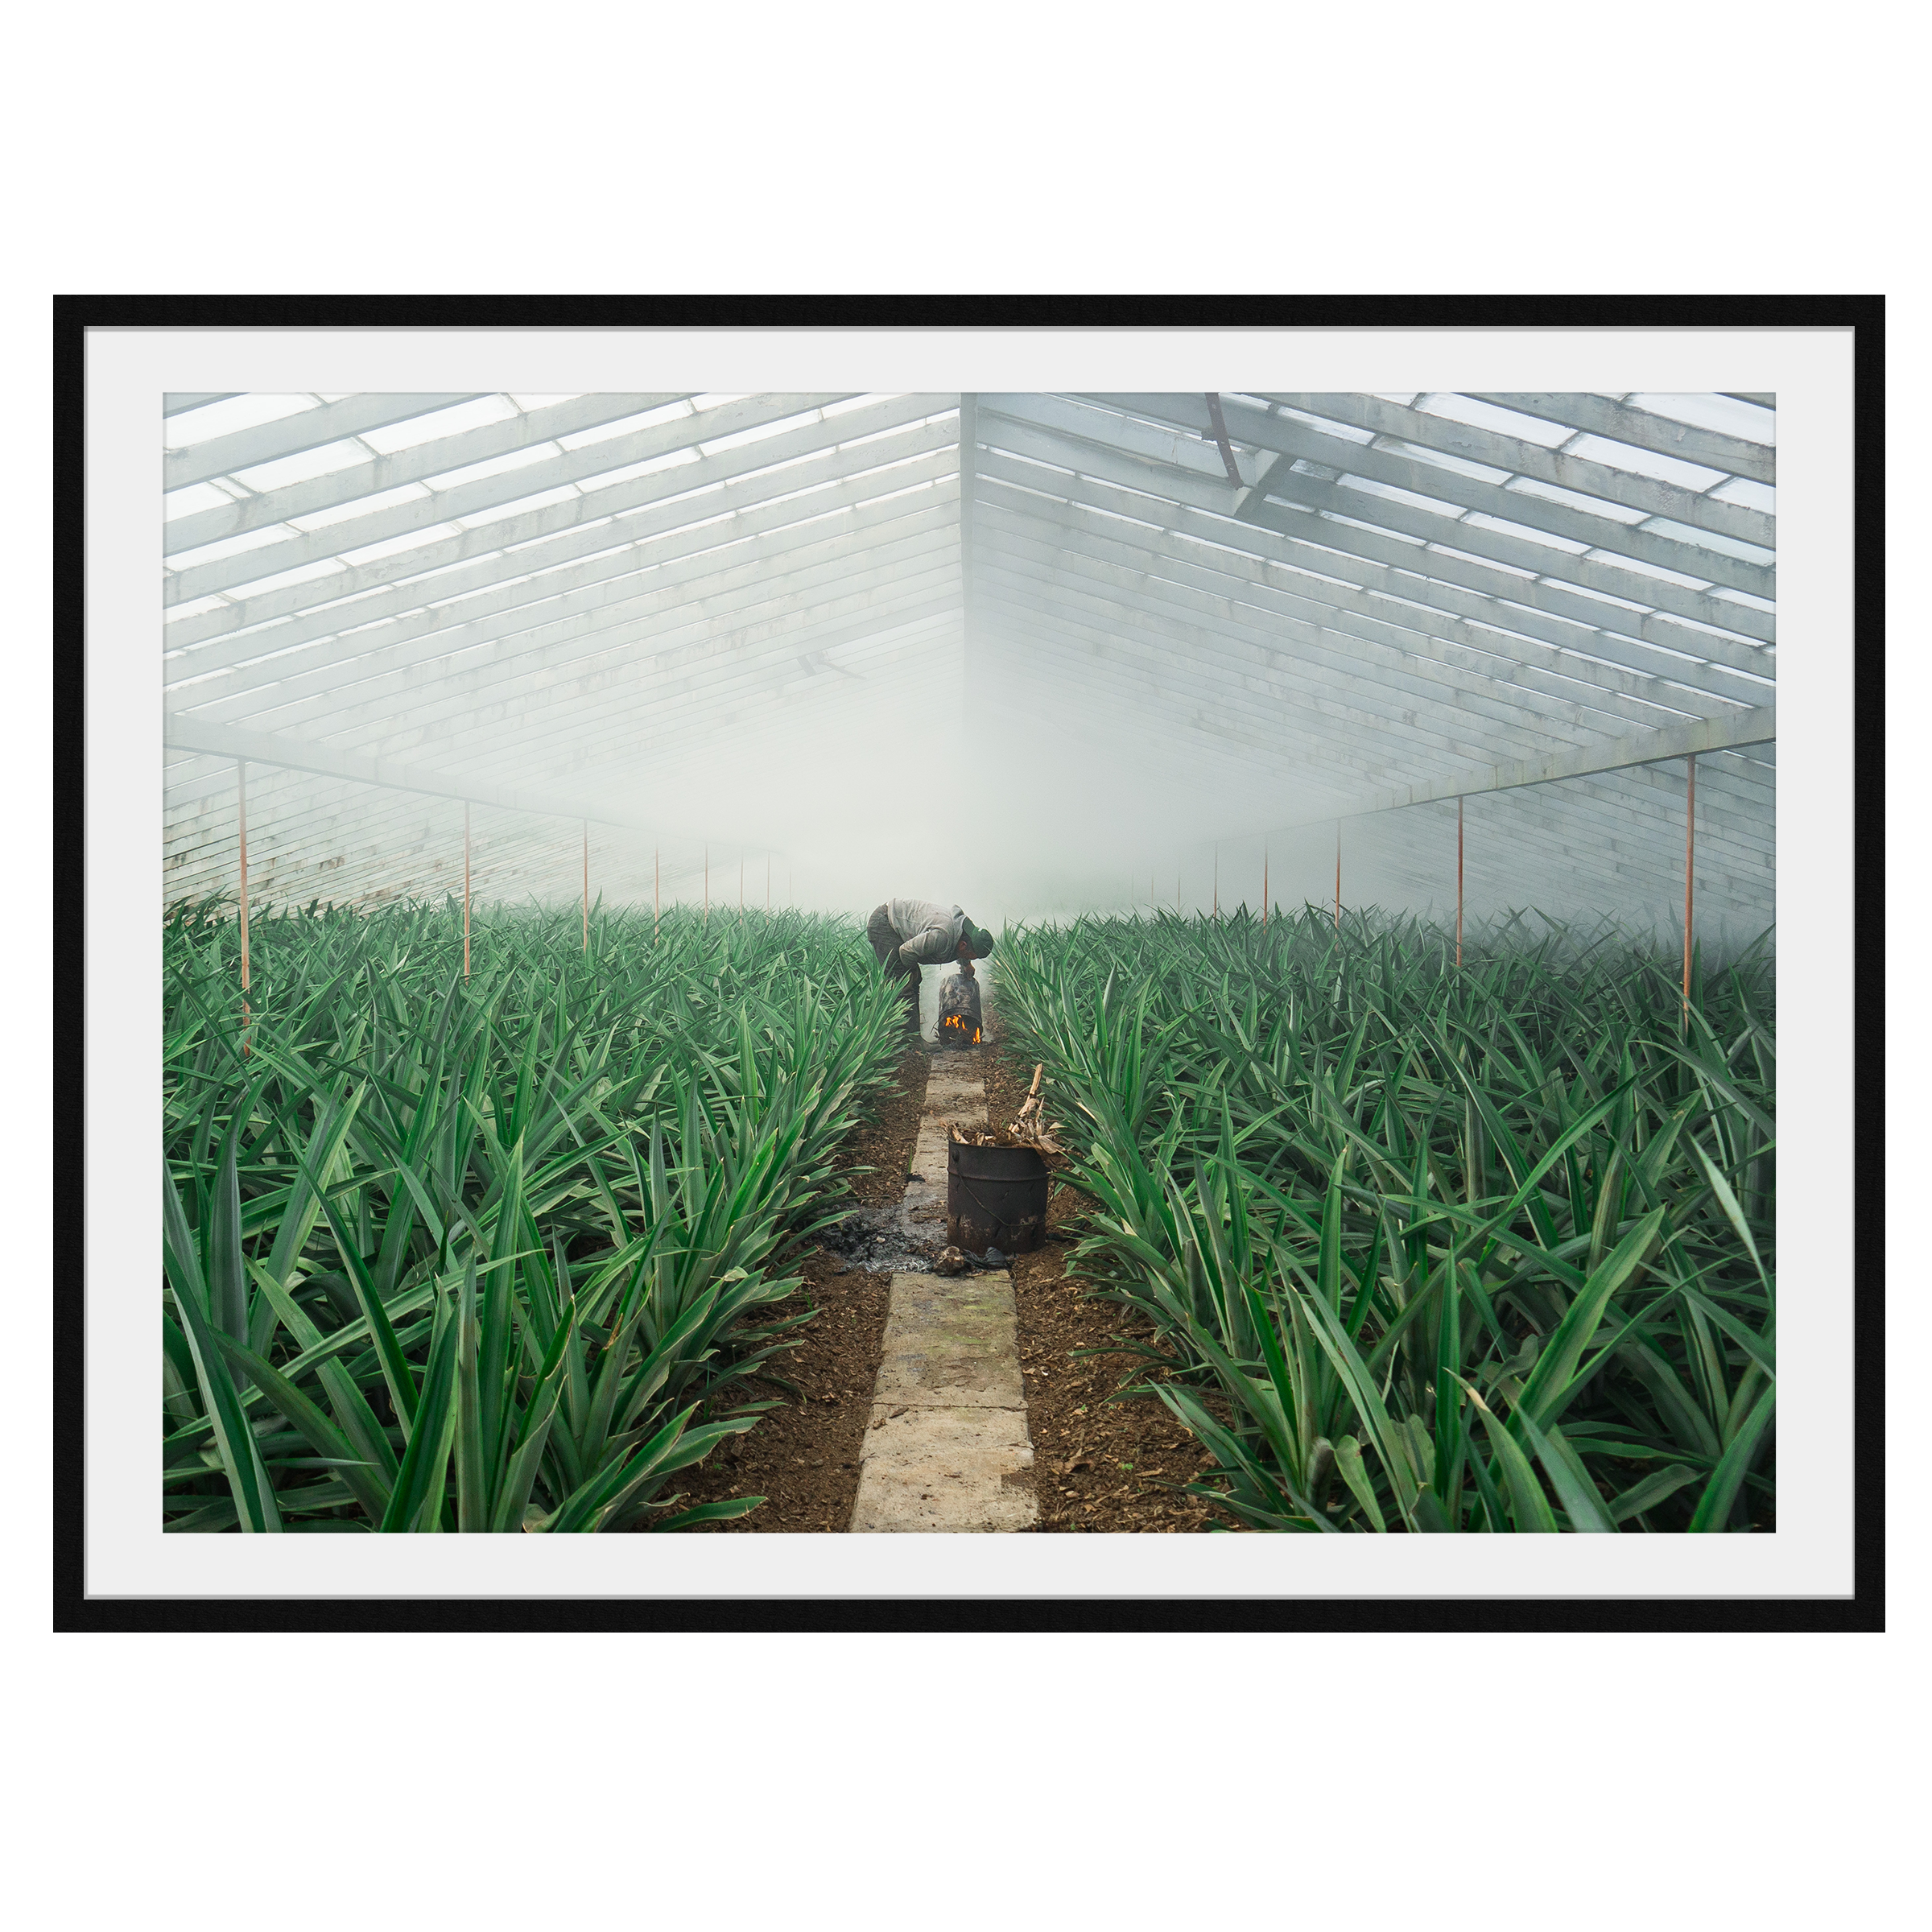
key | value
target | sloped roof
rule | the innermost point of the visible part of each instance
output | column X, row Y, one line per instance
column 1355, row 606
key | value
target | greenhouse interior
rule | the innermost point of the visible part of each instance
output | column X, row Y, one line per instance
column 1073, row 963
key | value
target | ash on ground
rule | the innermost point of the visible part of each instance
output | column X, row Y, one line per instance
column 877, row 1240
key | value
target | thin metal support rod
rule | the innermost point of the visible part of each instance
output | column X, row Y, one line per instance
column 1690, row 875
column 656, row 855
column 1264, row 889
column 587, row 885
column 1458, row 884
column 241, row 813
column 1217, row 881
column 1220, row 437
column 706, row 884
column 741, row 885
column 767, row 882
column 1338, row 875
column 466, row 891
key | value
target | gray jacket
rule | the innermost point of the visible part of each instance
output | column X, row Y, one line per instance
column 929, row 934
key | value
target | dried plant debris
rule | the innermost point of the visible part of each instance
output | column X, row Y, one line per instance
column 1029, row 1128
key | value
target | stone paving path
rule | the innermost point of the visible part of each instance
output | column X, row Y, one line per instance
column 946, row 1445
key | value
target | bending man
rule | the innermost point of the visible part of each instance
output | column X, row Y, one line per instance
column 907, row 933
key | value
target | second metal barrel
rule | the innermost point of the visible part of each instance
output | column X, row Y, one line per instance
column 996, row 1197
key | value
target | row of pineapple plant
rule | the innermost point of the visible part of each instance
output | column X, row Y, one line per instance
column 1429, row 1246
column 468, row 1253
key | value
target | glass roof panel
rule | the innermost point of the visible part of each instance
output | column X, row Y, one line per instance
column 179, row 503
column 396, row 546
column 229, row 547
column 1478, row 520
column 359, row 506
column 624, row 426
column 1705, row 539
column 868, row 402
column 1643, row 568
column 1596, row 506
column 1488, row 563
column 224, row 419
column 1368, row 487
column 439, row 423
column 1753, row 496
column 492, row 466
column 1121, row 558
column 1344, row 432
column 1724, row 414
column 302, row 574
column 195, row 608
column 671, row 459
column 1589, row 593
column 1488, row 415
column 1438, row 458
column 1645, row 462
column 758, row 433
column 496, row 512
column 304, row 463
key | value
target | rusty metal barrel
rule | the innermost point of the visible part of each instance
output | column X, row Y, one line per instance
column 958, row 1024
column 996, row 1197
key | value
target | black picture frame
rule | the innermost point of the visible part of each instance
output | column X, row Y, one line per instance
column 74, row 1609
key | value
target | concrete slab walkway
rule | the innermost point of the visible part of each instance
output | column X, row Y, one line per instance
column 946, row 1445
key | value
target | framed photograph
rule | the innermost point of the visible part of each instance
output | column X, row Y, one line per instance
column 969, row 963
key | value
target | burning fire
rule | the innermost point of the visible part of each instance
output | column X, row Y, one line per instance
column 955, row 1023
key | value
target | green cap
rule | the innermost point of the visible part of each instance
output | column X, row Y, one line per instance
column 981, row 939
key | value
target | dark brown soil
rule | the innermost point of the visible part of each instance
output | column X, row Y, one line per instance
column 1100, row 1465
column 804, row 1457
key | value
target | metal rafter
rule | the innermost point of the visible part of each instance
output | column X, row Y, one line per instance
column 591, row 654
column 1498, row 451
column 779, row 564
column 294, row 435
column 1447, row 525
column 1294, row 661
column 638, row 507
column 512, row 582
column 1337, row 559
column 1248, row 589
column 178, row 402
column 529, row 732
column 1493, row 656
column 1664, row 436
column 1302, row 442
column 333, row 539
column 420, row 461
